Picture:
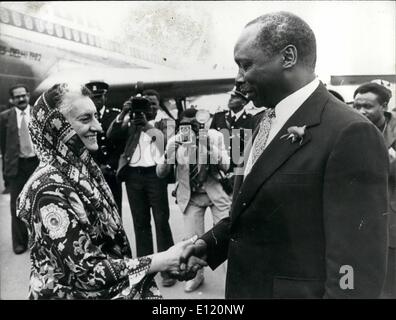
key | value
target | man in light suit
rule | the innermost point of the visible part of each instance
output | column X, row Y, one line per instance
column 308, row 218
column 196, row 193
column 20, row 160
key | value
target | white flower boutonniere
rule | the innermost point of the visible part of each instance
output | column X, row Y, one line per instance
column 295, row 134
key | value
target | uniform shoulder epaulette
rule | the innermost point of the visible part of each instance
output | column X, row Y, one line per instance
column 220, row 110
column 253, row 110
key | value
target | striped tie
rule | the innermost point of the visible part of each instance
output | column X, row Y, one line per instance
column 261, row 138
column 26, row 149
column 194, row 181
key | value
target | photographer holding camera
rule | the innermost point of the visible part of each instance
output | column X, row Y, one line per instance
column 143, row 146
column 198, row 185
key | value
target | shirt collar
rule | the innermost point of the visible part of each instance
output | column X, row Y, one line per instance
column 27, row 110
column 238, row 114
column 286, row 107
column 102, row 111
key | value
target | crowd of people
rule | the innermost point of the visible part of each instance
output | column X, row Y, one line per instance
column 291, row 195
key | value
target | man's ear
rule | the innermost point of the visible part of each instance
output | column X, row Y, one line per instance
column 289, row 54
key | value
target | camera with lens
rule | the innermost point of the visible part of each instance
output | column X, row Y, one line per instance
column 140, row 106
column 186, row 135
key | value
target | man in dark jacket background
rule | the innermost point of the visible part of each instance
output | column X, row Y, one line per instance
column 20, row 160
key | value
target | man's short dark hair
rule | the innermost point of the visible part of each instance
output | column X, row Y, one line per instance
column 280, row 29
column 16, row 86
column 152, row 92
column 383, row 94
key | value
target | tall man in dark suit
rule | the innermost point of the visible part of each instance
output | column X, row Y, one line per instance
column 20, row 160
column 108, row 153
column 308, row 218
column 2, row 109
column 371, row 100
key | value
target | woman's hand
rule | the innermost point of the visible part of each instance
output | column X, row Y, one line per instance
column 169, row 260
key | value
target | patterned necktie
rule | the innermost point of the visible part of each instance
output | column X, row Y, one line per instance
column 24, row 138
column 261, row 138
column 194, row 183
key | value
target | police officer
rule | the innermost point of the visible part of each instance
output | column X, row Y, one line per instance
column 108, row 154
column 228, row 121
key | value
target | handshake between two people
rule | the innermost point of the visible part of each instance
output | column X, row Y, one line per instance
column 181, row 261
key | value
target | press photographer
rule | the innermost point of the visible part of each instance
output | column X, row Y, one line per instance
column 199, row 155
column 143, row 146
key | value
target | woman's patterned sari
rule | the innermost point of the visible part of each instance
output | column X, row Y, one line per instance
column 78, row 246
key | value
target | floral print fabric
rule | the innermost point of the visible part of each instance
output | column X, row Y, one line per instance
column 79, row 249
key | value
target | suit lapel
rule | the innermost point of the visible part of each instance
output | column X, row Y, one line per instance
column 13, row 125
column 241, row 168
column 279, row 150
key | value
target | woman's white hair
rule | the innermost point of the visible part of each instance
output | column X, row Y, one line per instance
column 68, row 93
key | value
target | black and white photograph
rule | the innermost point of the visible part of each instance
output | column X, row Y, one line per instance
column 197, row 150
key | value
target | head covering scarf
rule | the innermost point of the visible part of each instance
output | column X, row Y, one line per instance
column 56, row 143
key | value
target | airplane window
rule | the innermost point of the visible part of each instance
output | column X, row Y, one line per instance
column 28, row 22
column 49, row 27
column 58, row 30
column 4, row 15
column 39, row 25
column 91, row 39
column 16, row 17
column 84, row 37
column 76, row 35
column 67, row 33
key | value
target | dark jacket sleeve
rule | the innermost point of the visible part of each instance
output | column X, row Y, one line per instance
column 213, row 124
column 2, row 133
column 117, row 133
column 217, row 241
column 355, row 213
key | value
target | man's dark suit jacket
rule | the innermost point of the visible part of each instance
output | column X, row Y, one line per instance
column 9, row 142
column 222, row 120
column 306, row 209
column 108, row 153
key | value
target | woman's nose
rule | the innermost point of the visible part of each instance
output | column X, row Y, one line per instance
column 96, row 126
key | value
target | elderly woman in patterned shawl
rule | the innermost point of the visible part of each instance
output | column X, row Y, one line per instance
column 78, row 246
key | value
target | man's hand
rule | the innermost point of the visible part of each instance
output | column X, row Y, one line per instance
column 171, row 149
column 140, row 121
column 169, row 260
column 126, row 108
column 192, row 259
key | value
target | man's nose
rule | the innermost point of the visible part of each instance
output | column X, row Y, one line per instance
column 239, row 79
column 362, row 111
